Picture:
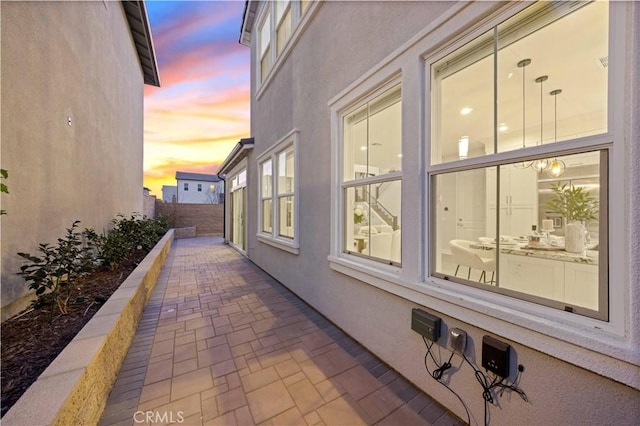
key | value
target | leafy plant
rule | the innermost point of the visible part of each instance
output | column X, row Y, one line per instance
column 52, row 273
column 128, row 235
column 359, row 214
column 3, row 188
column 573, row 202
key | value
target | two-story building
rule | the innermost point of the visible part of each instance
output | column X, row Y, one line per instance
column 196, row 188
column 401, row 154
column 73, row 75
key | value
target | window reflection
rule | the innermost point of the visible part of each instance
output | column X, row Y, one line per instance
column 372, row 220
column 372, row 138
column 513, row 230
column 463, row 98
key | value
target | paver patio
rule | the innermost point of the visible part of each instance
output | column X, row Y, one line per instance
column 222, row 343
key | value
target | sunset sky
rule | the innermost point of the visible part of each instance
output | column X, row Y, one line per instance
column 202, row 109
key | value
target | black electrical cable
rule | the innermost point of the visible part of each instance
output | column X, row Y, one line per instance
column 487, row 387
column 441, row 371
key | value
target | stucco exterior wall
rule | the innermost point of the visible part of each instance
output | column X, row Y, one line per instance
column 66, row 62
column 342, row 43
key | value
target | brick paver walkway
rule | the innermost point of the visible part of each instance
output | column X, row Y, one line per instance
column 221, row 342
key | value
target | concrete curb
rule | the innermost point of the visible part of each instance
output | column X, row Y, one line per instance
column 74, row 389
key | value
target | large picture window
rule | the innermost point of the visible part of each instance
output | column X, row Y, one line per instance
column 519, row 159
column 372, row 177
column 278, row 194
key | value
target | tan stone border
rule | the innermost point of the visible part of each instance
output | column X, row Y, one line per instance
column 74, row 389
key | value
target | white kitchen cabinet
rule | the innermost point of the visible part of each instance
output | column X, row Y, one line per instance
column 569, row 282
column 534, row 276
column 581, row 285
column 518, row 200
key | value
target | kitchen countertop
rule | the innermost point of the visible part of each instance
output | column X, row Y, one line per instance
column 552, row 254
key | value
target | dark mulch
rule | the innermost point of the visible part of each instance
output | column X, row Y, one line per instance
column 32, row 340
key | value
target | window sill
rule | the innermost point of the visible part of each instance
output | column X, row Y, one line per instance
column 289, row 246
column 587, row 343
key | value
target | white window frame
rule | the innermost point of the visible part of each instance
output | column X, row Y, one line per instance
column 378, row 179
column 291, row 245
column 600, row 142
column 299, row 21
column 361, row 267
column 604, row 337
column 582, row 341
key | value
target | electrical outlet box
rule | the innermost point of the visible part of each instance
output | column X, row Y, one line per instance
column 457, row 340
column 426, row 324
column 495, row 356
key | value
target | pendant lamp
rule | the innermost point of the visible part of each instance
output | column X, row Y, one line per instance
column 523, row 64
column 556, row 167
column 541, row 164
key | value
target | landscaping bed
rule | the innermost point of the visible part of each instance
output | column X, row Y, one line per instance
column 31, row 341
column 34, row 338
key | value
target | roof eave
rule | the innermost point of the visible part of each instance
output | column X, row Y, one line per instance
column 138, row 20
column 249, row 16
column 239, row 151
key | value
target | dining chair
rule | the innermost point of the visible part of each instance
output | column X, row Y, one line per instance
column 464, row 255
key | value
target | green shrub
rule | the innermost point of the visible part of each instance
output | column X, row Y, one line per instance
column 129, row 234
column 52, row 273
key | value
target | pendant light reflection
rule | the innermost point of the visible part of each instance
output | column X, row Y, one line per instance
column 523, row 64
column 557, row 167
column 541, row 164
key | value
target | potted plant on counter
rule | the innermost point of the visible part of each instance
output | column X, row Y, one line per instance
column 577, row 206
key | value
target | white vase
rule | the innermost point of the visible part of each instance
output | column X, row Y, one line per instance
column 574, row 236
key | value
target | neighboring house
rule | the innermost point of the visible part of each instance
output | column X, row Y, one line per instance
column 198, row 188
column 72, row 122
column 169, row 194
column 394, row 142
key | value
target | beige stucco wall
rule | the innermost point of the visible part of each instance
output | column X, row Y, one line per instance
column 65, row 60
column 342, row 43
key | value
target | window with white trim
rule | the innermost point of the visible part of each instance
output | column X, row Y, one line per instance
column 283, row 24
column 519, row 156
column 371, row 184
column 278, row 22
column 278, row 194
column 264, row 43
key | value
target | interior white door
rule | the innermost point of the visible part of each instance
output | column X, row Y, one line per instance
column 471, row 204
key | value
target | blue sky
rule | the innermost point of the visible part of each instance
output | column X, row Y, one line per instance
column 202, row 108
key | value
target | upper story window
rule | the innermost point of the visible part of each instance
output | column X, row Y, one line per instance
column 278, row 195
column 186, row 186
column 278, row 22
column 283, row 24
column 264, row 52
column 199, row 187
column 372, row 178
column 520, row 148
